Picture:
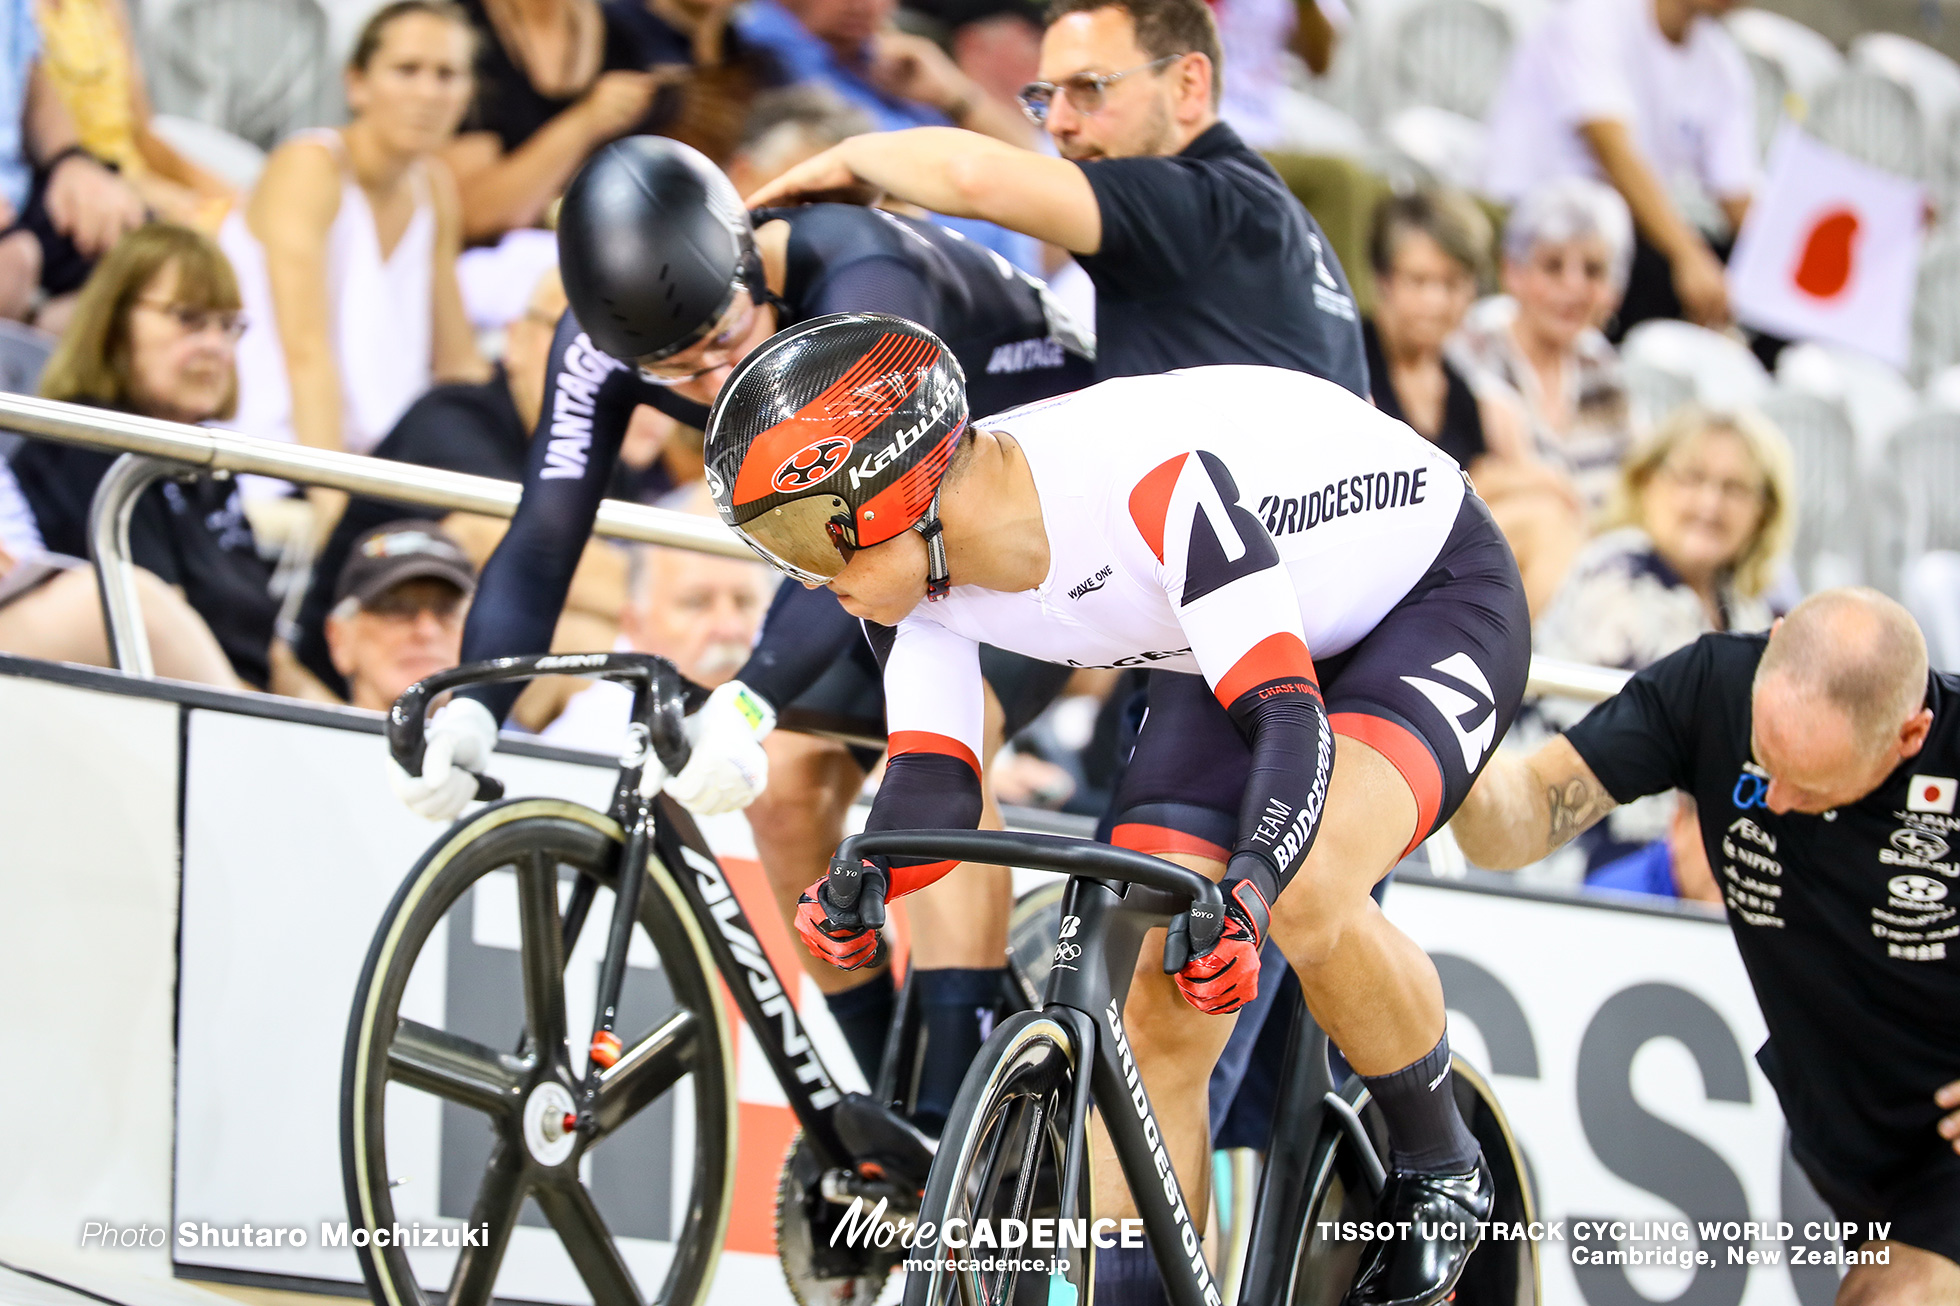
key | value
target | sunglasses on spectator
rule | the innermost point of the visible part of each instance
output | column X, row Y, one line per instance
column 230, row 322
column 1085, row 91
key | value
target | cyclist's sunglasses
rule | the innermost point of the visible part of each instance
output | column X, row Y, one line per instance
column 1085, row 91
column 692, row 360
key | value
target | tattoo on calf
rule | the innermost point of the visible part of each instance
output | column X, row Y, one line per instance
column 1574, row 805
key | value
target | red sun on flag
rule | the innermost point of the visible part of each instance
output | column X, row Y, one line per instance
column 1824, row 266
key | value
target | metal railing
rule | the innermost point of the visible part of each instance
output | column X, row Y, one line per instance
column 154, row 449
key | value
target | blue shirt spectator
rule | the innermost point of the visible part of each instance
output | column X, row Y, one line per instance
column 844, row 55
column 20, row 46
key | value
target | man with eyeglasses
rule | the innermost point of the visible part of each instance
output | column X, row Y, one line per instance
column 671, row 283
column 398, row 610
column 1198, row 252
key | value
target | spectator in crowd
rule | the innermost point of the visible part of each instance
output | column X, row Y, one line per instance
column 50, row 607
column 153, row 334
column 997, row 43
column 698, row 611
column 725, row 71
column 900, row 79
column 1702, row 519
column 787, row 126
column 398, row 610
column 482, row 428
column 1654, row 97
column 1566, row 249
column 1672, row 867
column 1430, row 249
column 89, row 54
column 1257, row 36
column 347, row 249
column 60, row 209
column 555, row 80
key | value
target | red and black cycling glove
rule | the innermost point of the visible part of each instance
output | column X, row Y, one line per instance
column 846, row 937
column 1227, row 977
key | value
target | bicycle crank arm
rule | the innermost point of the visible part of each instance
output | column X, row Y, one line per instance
column 841, row 1187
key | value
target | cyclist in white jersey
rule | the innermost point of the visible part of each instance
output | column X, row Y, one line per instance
column 1321, row 570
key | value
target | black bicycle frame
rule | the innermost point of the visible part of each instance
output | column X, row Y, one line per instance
column 1114, row 897
column 661, row 829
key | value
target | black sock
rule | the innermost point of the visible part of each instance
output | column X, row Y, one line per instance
column 1425, row 1130
column 956, row 1013
column 865, row 1015
column 1128, row 1276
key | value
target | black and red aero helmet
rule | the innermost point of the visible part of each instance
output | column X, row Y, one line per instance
column 832, row 437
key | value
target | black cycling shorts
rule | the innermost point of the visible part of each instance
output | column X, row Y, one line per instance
column 851, row 694
column 1917, row 1193
column 1433, row 687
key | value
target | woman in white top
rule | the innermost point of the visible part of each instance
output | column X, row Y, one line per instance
column 347, row 250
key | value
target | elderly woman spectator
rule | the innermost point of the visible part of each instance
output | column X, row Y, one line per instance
column 1701, row 519
column 1567, row 248
column 347, row 250
column 1429, row 250
column 89, row 55
column 153, row 334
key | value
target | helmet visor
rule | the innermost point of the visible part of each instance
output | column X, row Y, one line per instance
column 809, row 538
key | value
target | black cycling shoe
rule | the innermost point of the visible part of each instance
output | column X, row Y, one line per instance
column 1422, row 1268
column 881, row 1137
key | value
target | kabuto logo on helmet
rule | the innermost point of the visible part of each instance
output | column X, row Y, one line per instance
column 810, row 464
column 903, row 440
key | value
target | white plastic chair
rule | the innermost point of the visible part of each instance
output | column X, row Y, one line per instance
column 1936, row 305
column 1872, row 118
column 1922, row 466
column 1653, row 394
column 1772, row 96
column 1450, row 54
column 1806, row 58
column 260, row 69
column 1931, row 77
column 1448, row 146
column 1831, row 532
column 212, row 148
column 1876, row 398
column 1720, row 371
column 1930, row 589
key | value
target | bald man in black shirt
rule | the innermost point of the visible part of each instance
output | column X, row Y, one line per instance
column 1826, row 763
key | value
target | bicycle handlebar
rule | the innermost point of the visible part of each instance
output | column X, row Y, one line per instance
column 1048, row 852
column 668, row 696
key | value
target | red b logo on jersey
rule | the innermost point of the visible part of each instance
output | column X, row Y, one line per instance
column 810, row 464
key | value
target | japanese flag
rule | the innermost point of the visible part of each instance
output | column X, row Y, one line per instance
column 1829, row 251
column 1932, row 793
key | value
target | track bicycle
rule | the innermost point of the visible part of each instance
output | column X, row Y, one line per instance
column 629, row 1128
column 1016, row 1146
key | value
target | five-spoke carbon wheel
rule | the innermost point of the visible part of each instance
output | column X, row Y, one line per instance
column 1000, row 1163
column 461, row 1091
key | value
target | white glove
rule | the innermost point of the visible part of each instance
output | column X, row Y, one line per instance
column 728, row 767
column 461, row 737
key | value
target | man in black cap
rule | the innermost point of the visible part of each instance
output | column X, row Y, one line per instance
column 398, row 610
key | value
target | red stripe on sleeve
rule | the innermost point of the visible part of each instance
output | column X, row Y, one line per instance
column 1282, row 656
column 1150, row 502
column 927, row 741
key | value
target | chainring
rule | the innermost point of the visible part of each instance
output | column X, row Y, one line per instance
column 818, row 1273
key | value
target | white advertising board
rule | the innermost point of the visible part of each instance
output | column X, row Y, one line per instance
column 1621, row 1045
column 1620, row 1042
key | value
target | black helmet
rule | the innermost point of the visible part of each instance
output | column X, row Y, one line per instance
column 833, row 436
column 653, row 243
